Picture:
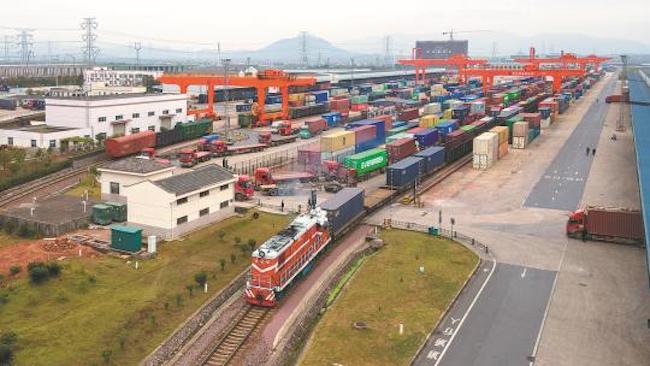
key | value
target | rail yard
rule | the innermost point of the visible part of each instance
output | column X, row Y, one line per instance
column 441, row 208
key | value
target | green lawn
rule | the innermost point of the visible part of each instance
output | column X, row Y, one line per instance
column 388, row 290
column 104, row 304
column 89, row 183
column 7, row 240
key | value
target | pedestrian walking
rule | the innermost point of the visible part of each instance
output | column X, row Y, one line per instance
column 587, row 151
column 593, row 152
column 282, row 206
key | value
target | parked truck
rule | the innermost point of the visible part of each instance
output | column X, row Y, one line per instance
column 263, row 176
column 221, row 148
column 243, row 188
column 190, row 157
column 206, row 141
column 312, row 128
column 268, row 139
column 608, row 224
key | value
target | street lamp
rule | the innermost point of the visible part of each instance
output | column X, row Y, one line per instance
column 226, row 63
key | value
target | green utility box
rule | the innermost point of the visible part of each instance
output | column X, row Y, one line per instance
column 102, row 214
column 126, row 238
column 118, row 211
column 434, row 231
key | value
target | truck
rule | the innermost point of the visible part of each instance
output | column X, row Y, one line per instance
column 243, row 188
column 312, row 128
column 190, row 157
column 286, row 129
column 616, row 225
column 263, row 176
column 333, row 170
column 267, row 139
column 221, row 148
column 205, row 141
column 152, row 154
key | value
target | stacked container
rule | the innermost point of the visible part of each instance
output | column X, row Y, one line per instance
column 310, row 155
column 404, row 173
column 398, row 136
column 431, row 108
column 458, row 143
column 340, row 105
column 367, row 161
column 332, row 118
column 400, row 149
column 380, row 128
column 409, row 114
column 520, row 135
column 477, row 107
column 426, row 138
column 546, row 116
column 337, row 145
column 429, row 121
column 502, row 132
column 446, row 127
column 365, row 137
column 343, row 208
column 486, row 150
column 432, row 158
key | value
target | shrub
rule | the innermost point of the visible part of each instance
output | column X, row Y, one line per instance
column 190, row 289
column 233, row 258
column 251, row 244
column 26, row 231
column 31, row 265
column 10, row 227
column 237, row 240
column 106, row 355
column 54, row 269
column 222, row 263
column 9, row 338
column 221, row 234
column 4, row 297
column 6, row 355
column 38, row 274
column 15, row 269
column 256, row 215
column 201, row 278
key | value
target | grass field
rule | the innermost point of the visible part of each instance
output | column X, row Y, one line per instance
column 6, row 239
column 104, row 305
column 388, row 290
column 89, row 183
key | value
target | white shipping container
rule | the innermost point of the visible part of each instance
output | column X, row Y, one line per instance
column 520, row 129
column 487, row 143
column 337, row 155
column 546, row 123
column 519, row 142
column 431, row 108
column 482, row 161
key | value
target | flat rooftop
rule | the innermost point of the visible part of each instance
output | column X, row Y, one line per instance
column 111, row 96
column 40, row 128
column 57, row 210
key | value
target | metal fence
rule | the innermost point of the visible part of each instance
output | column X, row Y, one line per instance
column 285, row 159
column 454, row 235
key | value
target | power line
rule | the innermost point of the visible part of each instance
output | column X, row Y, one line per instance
column 89, row 25
column 164, row 40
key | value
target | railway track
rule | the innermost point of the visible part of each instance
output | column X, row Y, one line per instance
column 246, row 322
column 16, row 193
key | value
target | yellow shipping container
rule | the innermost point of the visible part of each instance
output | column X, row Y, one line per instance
column 337, row 141
column 295, row 97
column 502, row 131
column 429, row 121
column 447, row 114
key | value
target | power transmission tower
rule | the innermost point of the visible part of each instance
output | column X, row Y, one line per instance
column 137, row 46
column 90, row 51
column 303, row 49
column 6, row 47
column 494, row 50
column 387, row 53
column 25, row 43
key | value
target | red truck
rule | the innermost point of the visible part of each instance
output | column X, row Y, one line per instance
column 332, row 170
column 152, row 154
column 616, row 225
column 263, row 176
column 220, row 148
column 190, row 157
column 267, row 139
column 243, row 188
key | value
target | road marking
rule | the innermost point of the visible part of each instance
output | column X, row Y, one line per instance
column 523, row 274
column 469, row 309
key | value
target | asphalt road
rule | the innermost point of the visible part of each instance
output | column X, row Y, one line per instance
column 502, row 327
column 562, row 184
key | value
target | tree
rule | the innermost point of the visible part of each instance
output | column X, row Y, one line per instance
column 222, row 263
column 201, row 278
column 15, row 269
column 9, row 338
column 10, row 226
column 54, row 269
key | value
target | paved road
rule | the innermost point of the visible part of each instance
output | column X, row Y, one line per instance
column 563, row 182
column 502, row 327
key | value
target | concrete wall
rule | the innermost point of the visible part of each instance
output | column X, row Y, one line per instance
column 24, row 138
column 126, row 179
column 86, row 113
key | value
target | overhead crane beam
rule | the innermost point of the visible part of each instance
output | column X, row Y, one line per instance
column 488, row 74
column 565, row 59
column 459, row 61
column 264, row 80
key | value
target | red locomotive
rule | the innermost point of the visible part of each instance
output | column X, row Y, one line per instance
column 284, row 256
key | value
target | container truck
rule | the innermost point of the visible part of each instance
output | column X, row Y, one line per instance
column 243, row 188
column 263, row 176
column 190, row 157
column 267, row 139
column 220, row 148
column 616, row 225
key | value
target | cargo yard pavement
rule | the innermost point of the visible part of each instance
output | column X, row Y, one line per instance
column 488, row 205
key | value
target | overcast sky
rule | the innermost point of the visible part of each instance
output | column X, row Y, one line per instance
column 255, row 23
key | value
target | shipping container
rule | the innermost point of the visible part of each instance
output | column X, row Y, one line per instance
column 404, row 173
column 519, row 142
column 427, row 137
column 446, row 127
column 367, row 161
column 431, row 108
column 432, row 158
column 126, row 238
column 336, row 141
column 485, row 150
column 343, row 209
column 9, row 104
column 310, row 155
column 408, row 114
column 398, row 136
column 118, row 147
column 429, row 121
column 338, row 155
column 308, row 110
column 193, row 130
column 400, row 149
column 332, row 118
column 168, row 137
column 102, row 214
column 520, row 129
column 245, row 120
column 118, row 211
column 316, row 126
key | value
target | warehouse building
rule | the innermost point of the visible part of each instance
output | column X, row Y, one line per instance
column 39, row 135
column 121, row 114
column 118, row 174
column 173, row 206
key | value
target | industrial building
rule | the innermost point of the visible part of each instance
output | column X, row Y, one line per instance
column 172, row 206
column 39, row 135
column 127, row 172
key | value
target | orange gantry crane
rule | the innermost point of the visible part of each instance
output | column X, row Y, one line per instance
column 265, row 79
column 565, row 59
column 460, row 61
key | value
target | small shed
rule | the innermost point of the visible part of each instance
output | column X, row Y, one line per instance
column 126, row 238
column 118, row 211
column 102, row 214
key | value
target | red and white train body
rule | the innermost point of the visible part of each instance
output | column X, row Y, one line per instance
column 284, row 256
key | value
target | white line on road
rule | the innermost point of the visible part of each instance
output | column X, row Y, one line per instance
column 469, row 309
column 523, row 274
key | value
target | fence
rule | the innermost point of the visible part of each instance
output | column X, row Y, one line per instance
column 454, row 235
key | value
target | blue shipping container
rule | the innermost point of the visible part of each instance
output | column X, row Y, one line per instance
column 210, row 138
column 433, row 158
column 243, row 107
column 403, row 173
column 367, row 145
column 343, row 208
column 447, row 127
column 427, row 137
column 379, row 127
column 332, row 118
column 321, row 96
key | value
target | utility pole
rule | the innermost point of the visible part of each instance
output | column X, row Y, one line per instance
column 25, row 43
column 90, row 51
column 387, row 53
column 226, row 63
column 303, row 49
column 137, row 46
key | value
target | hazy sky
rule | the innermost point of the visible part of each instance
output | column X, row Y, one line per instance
column 254, row 23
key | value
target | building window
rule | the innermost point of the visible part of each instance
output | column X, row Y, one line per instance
column 52, row 143
column 151, row 114
column 119, row 117
column 115, row 188
column 181, row 201
column 33, row 143
column 181, row 220
column 224, row 204
column 101, row 119
column 179, row 110
column 135, row 130
column 10, row 140
column 204, row 212
column 224, row 187
column 204, row 194
column 135, row 115
column 152, row 128
column 166, row 111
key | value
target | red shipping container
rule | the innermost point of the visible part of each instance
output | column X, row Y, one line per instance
column 359, row 107
column 415, row 130
column 408, row 114
column 400, row 149
column 388, row 121
column 340, row 105
column 534, row 119
column 316, row 126
column 126, row 145
column 364, row 134
column 309, row 155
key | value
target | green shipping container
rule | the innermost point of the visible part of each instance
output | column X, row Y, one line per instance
column 397, row 136
column 118, row 211
column 245, row 120
column 102, row 214
column 194, row 130
column 396, row 130
column 367, row 161
column 359, row 99
column 468, row 128
column 126, row 238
